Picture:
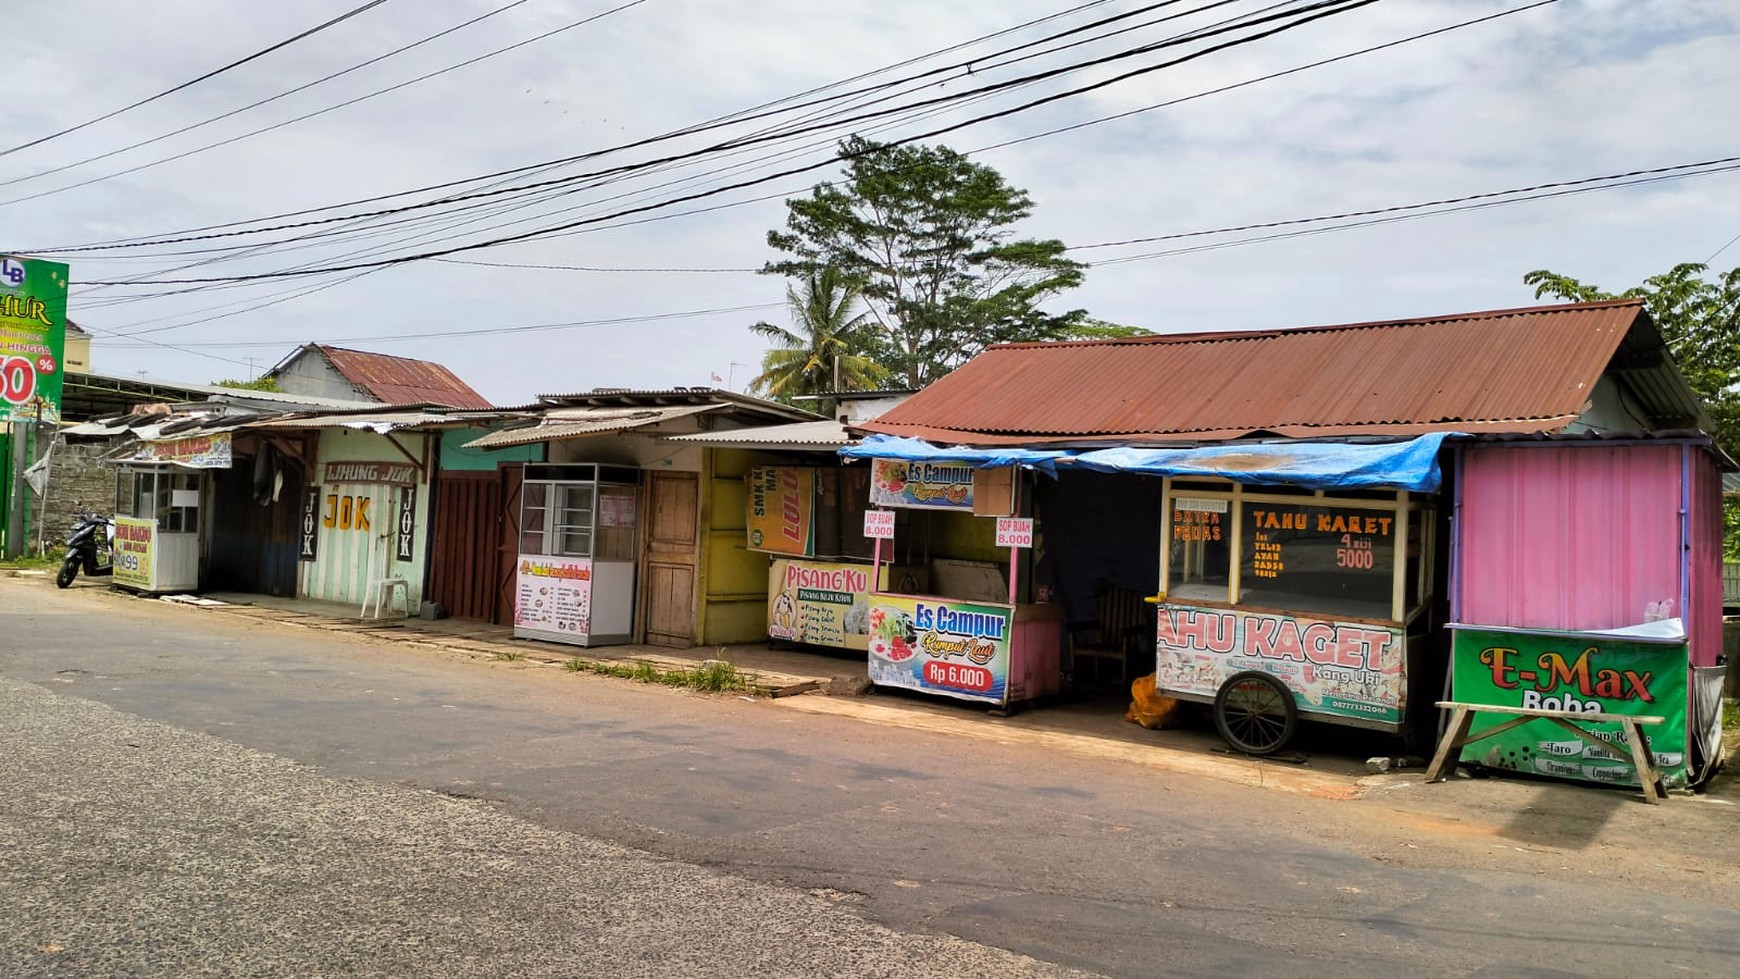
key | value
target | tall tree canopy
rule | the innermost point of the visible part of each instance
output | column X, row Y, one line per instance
column 820, row 353
column 1699, row 318
column 928, row 237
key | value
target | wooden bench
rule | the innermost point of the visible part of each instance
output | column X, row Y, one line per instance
column 1456, row 737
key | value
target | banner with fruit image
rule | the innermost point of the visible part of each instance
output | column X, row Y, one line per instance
column 819, row 603
column 921, row 485
column 1578, row 672
column 956, row 649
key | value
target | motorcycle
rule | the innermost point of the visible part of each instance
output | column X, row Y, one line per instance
column 91, row 547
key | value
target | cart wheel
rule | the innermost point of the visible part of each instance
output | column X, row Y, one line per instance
column 1255, row 713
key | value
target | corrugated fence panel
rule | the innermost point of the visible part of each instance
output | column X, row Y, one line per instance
column 1705, row 616
column 464, row 551
column 1562, row 537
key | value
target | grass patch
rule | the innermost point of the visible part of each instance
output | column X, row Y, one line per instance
column 1731, row 714
column 509, row 656
column 713, row 676
column 42, row 562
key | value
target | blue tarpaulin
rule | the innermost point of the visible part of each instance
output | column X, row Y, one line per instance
column 1410, row 465
column 918, row 450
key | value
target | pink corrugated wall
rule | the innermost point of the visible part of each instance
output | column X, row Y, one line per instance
column 1569, row 537
column 1704, row 621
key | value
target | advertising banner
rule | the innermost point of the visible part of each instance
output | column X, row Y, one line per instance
column 921, row 485
column 32, row 338
column 198, row 452
column 1339, row 669
column 134, row 541
column 957, row 649
column 818, row 603
column 554, row 594
column 782, row 510
column 1575, row 672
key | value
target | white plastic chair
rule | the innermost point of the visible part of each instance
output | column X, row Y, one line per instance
column 380, row 590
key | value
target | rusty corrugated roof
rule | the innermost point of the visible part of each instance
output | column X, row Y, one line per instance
column 1500, row 371
column 402, row 380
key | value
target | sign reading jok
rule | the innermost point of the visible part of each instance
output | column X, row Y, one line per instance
column 32, row 338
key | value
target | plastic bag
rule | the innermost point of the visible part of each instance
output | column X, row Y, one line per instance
column 1147, row 707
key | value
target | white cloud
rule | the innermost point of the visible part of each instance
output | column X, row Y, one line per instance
column 1569, row 90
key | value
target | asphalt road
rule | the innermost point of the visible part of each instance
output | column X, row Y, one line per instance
column 303, row 803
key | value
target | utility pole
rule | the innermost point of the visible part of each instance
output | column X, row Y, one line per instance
column 15, row 506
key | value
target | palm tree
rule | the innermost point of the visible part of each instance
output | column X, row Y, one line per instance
column 822, row 350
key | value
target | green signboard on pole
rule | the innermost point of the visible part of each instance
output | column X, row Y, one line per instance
column 32, row 338
column 1580, row 672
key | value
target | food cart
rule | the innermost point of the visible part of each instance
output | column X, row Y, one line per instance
column 157, row 511
column 577, row 554
column 969, row 636
column 819, row 579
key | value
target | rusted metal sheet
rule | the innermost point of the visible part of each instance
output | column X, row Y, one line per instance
column 466, row 543
column 1504, row 371
column 1569, row 537
column 401, row 380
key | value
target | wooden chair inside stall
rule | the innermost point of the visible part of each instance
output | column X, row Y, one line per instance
column 1117, row 639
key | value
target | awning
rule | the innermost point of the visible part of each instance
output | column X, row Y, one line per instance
column 817, row 436
column 570, row 423
column 1410, row 465
column 918, row 450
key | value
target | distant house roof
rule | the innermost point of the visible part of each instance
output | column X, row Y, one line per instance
column 1510, row 371
column 394, row 380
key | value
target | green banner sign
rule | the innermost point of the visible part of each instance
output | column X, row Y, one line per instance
column 1579, row 672
column 32, row 338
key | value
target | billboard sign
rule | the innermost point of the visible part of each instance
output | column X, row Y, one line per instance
column 32, row 338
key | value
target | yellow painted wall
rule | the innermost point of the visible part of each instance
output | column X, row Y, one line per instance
column 964, row 537
column 733, row 578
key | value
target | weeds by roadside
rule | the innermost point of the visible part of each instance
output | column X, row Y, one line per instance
column 713, row 676
column 41, row 562
column 509, row 656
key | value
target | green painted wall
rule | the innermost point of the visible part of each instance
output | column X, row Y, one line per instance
column 964, row 537
column 455, row 457
column 734, row 578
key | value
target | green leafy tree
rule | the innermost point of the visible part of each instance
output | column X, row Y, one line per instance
column 822, row 351
column 1699, row 317
column 928, row 237
column 1092, row 329
column 257, row 384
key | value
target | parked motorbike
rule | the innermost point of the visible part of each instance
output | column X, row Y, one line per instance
column 90, row 547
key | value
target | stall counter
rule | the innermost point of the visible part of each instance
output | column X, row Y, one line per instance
column 991, row 653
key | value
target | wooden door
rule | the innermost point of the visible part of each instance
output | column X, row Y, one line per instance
column 465, row 552
column 512, row 476
column 672, row 553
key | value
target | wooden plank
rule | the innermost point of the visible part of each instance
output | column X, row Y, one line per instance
column 1451, row 742
column 1592, row 716
column 1647, row 776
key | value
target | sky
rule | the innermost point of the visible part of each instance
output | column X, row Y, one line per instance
column 663, row 296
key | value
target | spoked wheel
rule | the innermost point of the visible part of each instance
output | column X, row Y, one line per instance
column 1255, row 713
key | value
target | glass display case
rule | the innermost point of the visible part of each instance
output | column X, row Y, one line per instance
column 578, row 556
column 157, row 528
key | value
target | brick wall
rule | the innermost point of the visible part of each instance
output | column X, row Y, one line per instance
column 78, row 479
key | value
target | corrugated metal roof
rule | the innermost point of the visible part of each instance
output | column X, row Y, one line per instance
column 821, row 435
column 402, row 380
column 1501, row 371
column 568, row 423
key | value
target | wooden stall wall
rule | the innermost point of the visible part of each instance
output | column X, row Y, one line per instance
column 734, row 578
column 465, row 543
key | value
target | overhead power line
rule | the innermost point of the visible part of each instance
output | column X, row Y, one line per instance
column 268, row 100
column 341, row 18
column 1310, row 14
column 319, row 112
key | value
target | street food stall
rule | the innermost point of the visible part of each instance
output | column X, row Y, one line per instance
column 972, row 634
column 158, row 494
column 577, row 554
